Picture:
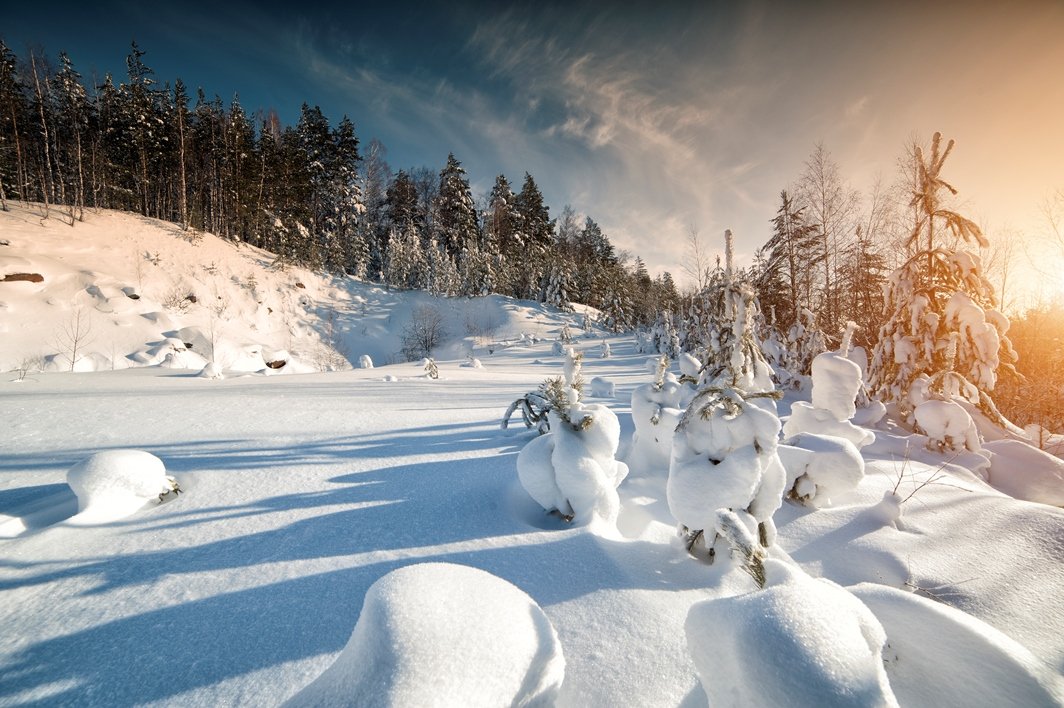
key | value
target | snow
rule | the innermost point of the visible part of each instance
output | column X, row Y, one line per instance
column 302, row 491
column 990, row 668
column 419, row 641
column 114, row 484
column 1025, row 472
column 801, row 641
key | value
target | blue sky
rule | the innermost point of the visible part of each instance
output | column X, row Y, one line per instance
column 653, row 121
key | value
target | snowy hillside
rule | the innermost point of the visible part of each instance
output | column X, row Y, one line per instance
column 120, row 291
column 917, row 583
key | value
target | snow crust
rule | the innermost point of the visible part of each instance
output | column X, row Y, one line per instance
column 800, row 641
column 437, row 634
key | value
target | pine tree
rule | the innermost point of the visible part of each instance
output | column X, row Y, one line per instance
column 12, row 112
column 942, row 329
column 454, row 213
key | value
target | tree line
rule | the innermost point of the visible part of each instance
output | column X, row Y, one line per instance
column 305, row 192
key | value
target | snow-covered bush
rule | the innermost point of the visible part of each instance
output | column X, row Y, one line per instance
column 212, row 371
column 365, row 362
column 836, row 383
column 113, row 484
column 799, row 642
column 942, row 324
column 604, row 350
column 572, row 469
column 724, row 448
column 820, row 467
column 602, row 388
column 947, row 425
column 656, row 411
column 421, row 641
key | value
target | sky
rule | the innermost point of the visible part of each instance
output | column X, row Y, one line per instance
column 655, row 121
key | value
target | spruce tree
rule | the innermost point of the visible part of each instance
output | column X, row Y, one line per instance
column 943, row 329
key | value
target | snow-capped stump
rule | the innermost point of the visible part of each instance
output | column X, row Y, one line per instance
column 420, row 641
column 937, row 655
column 820, row 468
column 572, row 469
column 275, row 358
column 113, row 484
column 800, row 641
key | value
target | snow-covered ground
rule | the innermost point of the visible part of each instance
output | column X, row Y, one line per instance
column 298, row 493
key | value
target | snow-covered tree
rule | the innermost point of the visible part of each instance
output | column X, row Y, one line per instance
column 572, row 470
column 724, row 453
column 943, row 324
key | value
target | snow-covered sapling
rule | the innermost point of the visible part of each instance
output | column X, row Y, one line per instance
column 837, row 380
column 724, row 449
column 572, row 470
column 431, row 369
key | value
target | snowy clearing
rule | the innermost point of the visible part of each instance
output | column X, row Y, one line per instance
column 299, row 492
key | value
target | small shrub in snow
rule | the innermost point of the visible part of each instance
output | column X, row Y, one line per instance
column 604, row 350
column 431, row 369
column 820, row 467
column 656, row 411
column 602, row 388
column 836, row 384
column 365, row 362
column 437, row 634
column 724, row 448
column 572, row 469
column 800, row 641
column 113, row 484
column 949, row 428
column 422, row 333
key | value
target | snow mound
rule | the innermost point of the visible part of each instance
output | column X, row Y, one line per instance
column 113, row 484
column 799, row 642
column 821, row 467
column 939, row 656
column 807, row 418
column 1024, row 472
column 438, row 634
